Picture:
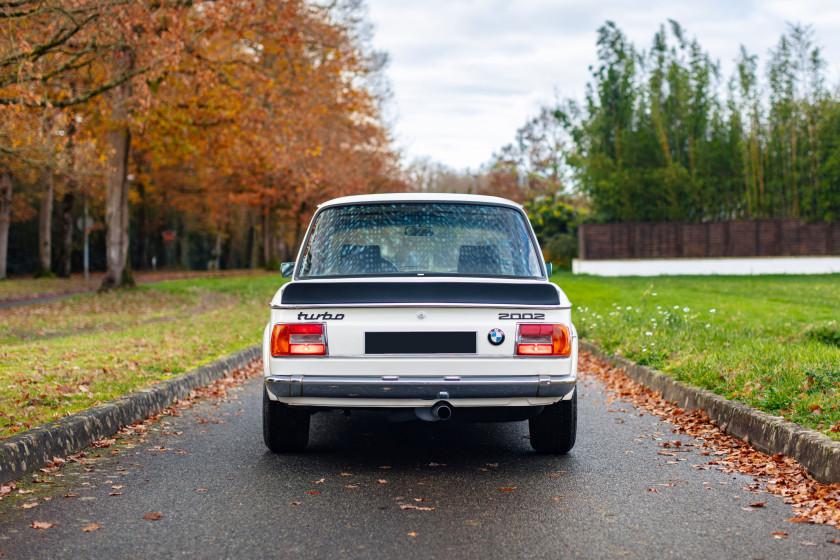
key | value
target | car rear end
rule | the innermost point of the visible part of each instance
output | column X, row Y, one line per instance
column 413, row 339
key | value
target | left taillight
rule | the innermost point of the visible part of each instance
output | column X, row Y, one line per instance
column 299, row 339
column 541, row 339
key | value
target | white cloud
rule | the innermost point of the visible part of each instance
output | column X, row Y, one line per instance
column 467, row 73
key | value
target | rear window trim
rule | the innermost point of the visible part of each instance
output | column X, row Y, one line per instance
column 529, row 229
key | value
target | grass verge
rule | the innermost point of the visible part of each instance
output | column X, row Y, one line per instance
column 63, row 356
column 768, row 341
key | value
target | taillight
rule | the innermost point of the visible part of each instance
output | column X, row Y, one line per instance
column 540, row 339
column 299, row 339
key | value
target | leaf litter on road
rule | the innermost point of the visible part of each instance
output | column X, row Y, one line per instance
column 418, row 508
column 812, row 501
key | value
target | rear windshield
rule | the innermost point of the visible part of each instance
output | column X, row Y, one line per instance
column 420, row 239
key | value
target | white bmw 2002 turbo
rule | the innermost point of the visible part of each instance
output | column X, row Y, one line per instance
column 428, row 306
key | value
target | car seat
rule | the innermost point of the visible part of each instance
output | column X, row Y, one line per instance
column 479, row 259
column 359, row 259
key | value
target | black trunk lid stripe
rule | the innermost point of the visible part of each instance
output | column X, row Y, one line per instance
column 336, row 293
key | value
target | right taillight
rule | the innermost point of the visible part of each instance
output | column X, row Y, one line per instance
column 299, row 339
column 541, row 339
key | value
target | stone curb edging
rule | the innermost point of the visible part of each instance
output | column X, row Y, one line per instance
column 32, row 449
column 767, row 433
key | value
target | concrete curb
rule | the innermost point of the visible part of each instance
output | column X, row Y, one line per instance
column 767, row 433
column 30, row 450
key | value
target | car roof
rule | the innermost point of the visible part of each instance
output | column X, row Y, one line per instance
column 419, row 197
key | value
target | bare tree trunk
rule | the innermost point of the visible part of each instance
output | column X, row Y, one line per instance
column 252, row 241
column 268, row 236
column 118, row 271
column 184, row 246
column 217, row 253
column 67, row 203
column 142, row 227
column 45, row 223
column 64, row 266
column 5, row 217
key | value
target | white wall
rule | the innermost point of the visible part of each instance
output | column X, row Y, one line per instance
column 734, row 266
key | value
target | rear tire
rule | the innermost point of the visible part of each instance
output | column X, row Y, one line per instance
column 554, row 430
column 285, row 428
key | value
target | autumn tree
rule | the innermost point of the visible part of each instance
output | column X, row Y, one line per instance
column 198, row 110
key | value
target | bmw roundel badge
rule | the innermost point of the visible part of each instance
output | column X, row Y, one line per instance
column 496, row 336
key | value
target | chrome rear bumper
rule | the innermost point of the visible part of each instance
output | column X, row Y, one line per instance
column 426, row 388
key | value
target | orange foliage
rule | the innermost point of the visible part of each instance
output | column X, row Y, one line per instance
column 235, row 103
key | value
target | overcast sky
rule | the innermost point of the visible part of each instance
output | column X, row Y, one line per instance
column 465, row 74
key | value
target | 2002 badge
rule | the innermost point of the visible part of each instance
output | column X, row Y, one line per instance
column 516, row 316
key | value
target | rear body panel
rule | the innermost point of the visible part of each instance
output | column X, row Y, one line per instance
column 396, row 343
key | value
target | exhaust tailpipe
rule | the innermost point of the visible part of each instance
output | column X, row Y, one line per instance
column 438, row 411
column 442, row 411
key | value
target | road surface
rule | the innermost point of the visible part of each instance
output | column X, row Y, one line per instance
column 366, row 488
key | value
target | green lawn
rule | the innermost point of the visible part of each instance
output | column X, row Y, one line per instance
column 772, row 342
column 67, row 355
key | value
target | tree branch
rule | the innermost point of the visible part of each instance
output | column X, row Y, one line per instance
column 74, row 100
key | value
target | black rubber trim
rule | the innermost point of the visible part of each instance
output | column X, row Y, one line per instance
column 420, row 343
column 330, row 293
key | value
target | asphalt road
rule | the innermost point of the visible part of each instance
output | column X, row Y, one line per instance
column 223, row 495
column 45, row 299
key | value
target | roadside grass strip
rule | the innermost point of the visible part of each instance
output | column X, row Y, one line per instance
column 772, row 342
column 47, row 482
column 60, row 357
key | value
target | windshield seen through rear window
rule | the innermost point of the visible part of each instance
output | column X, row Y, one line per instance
column 420, row 239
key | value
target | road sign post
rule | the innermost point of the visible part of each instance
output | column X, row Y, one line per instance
column 85, row 223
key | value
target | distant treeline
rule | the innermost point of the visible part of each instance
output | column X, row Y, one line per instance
column 663, row 136
column 660, row 139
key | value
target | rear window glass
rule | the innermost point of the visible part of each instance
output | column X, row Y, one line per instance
column 420, row 239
